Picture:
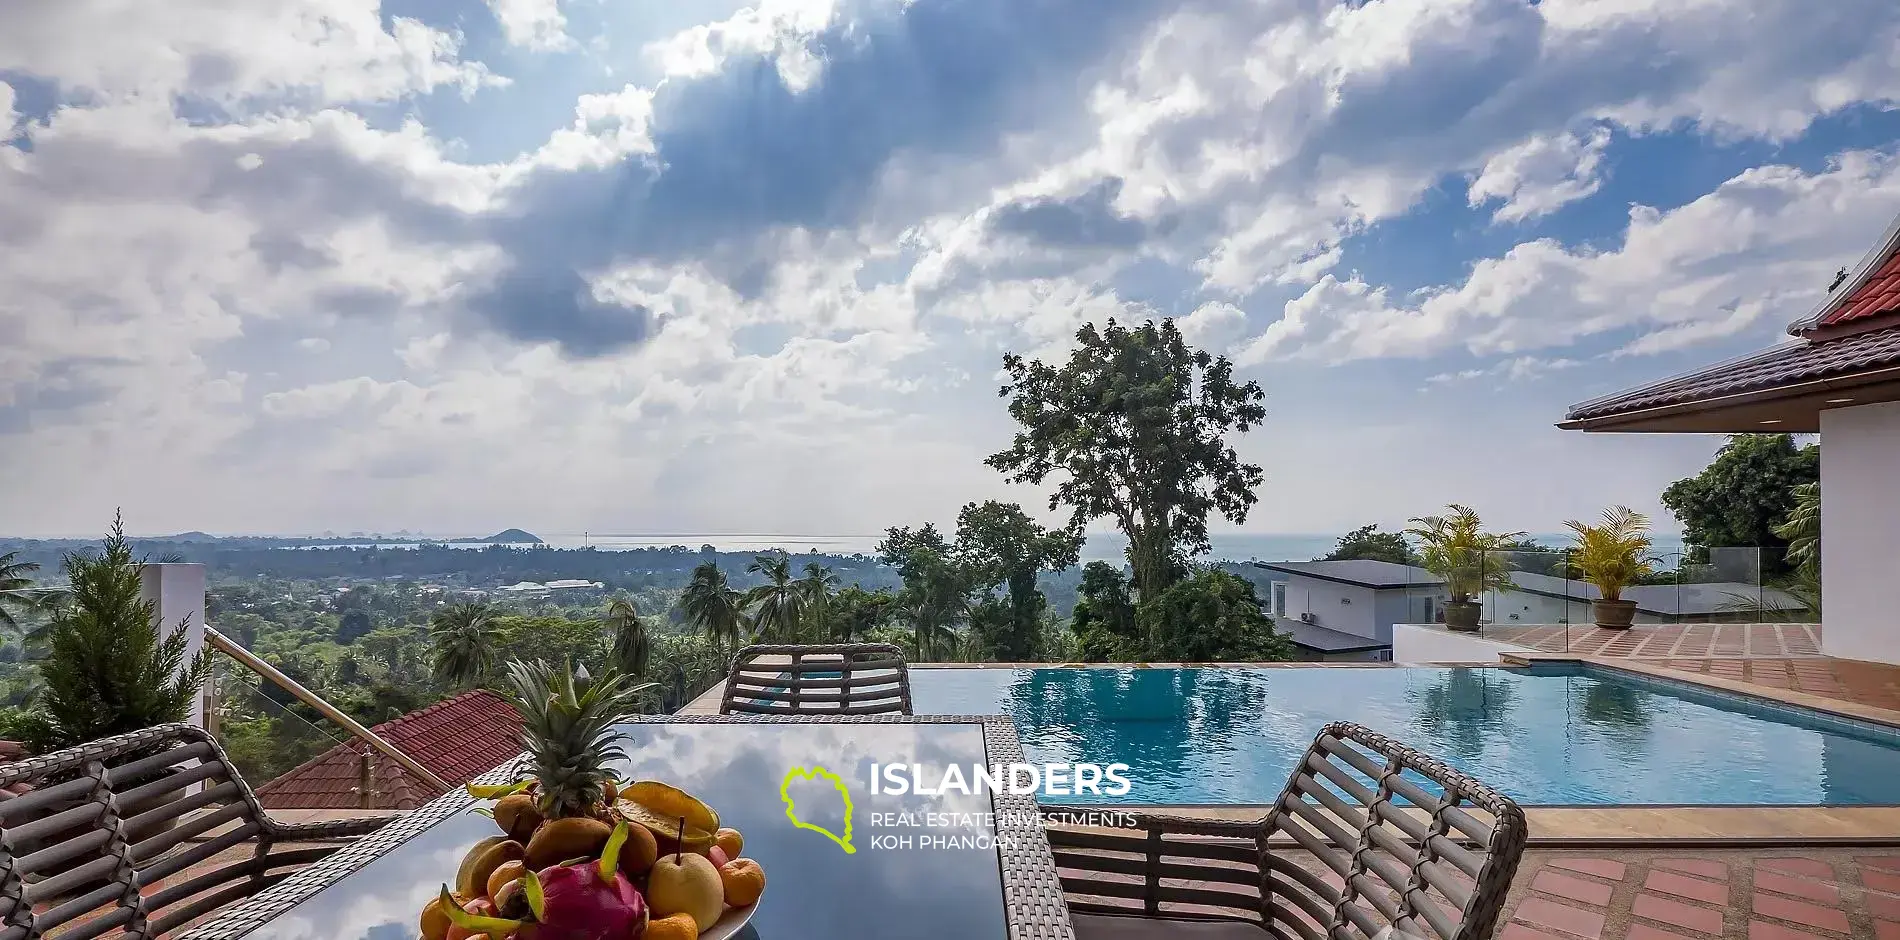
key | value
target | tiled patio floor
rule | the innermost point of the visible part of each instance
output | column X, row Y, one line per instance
column 1772, row 655
column 1787, row 895
column 1669, row 641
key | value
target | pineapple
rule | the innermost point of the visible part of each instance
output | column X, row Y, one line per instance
column 567, row 729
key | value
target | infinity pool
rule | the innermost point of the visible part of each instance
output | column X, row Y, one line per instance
column 1547, row 736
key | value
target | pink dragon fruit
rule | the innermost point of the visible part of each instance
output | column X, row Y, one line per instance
column 587, row 899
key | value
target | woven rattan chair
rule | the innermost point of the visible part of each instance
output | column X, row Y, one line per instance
column 839, row 679
column 1368, row 834
column 109, row 840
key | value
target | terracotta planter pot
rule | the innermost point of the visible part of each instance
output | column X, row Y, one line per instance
column 1462, row 615
column 1614, row 615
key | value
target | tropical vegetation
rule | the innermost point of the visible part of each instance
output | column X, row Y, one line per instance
column 1742, row 497
column 110, row 667
column 1136, row 425
column 1614, row 553
column 1455, row 547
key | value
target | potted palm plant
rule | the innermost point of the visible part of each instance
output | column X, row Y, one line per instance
column 1612, row 555
column 1456, row 548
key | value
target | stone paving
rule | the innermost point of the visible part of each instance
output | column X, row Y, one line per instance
column 1789, row 894
column 1670, row 640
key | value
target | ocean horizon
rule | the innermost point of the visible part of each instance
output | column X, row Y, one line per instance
column 1097, row 546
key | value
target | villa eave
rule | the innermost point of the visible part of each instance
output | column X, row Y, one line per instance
column 1780, row 389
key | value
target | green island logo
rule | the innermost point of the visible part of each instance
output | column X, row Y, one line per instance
column 791, row 806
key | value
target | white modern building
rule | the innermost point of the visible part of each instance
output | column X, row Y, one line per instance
column 1362, row 598
column 1356, row 598
column 1840, row 377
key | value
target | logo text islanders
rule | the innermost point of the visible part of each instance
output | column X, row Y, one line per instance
column 941, row 824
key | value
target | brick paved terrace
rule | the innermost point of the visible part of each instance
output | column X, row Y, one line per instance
column 1771, row 655
column 1701, row 895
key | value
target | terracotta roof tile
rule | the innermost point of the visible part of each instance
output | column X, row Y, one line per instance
column 1782, row 365
column 458, row 739
column 1879, row 294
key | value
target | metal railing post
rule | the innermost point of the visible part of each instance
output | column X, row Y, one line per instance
column 250, row 661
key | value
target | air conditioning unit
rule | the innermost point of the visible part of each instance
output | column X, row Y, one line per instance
column 1306, row 616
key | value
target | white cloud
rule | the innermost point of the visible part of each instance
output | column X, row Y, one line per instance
column 533, row 24
column 779, row 30
column 1541, row 175
column 328, row 50
column 275, row 294
column 1759, row 248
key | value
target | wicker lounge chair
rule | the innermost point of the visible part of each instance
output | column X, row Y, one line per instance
column 839, row 679
column 108, row 840
column 1368, row 834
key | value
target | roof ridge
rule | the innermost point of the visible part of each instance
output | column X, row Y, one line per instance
column 1885, row 247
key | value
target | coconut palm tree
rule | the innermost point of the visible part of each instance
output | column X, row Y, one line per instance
column 1802, row 528
column 779, row 603
column 18, row 596
column 816, row 587
column 711, row 605
column 464, row 638
column 632, row 649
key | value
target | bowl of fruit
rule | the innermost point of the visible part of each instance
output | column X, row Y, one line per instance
column 581, row 856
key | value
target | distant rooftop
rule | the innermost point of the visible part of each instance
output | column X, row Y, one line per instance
column 1359, row 571
column 1690, row 599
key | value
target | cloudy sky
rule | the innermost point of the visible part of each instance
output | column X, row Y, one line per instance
column 669, row 266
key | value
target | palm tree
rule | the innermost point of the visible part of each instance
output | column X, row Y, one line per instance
column 18, row 596
column 465, row 638
column 711, row 605
column 779, row 602
column 632, row 647
column 1802, row 528
column 816, row 589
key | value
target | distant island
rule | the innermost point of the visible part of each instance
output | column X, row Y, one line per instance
column 506, row 537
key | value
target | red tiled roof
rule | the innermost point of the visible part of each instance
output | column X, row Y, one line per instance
column 458, row 739
column 1880, row 293
column 1782, row 365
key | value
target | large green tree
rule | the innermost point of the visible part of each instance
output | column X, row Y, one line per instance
column 1368, row 543
column 1104, row 619
column 110, row 667
column 855, row 612
column 999, row 545
column 1136, row 422
column 1744, row 493
column 1211, row 617
column 936, row 593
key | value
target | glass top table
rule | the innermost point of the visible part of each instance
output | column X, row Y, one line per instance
column 970, row 866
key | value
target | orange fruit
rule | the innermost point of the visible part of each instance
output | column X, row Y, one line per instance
column 435, row 924
column 676, row 927
column 638, row 853
column 743, row 880
column 507, row 871
column 731, row 841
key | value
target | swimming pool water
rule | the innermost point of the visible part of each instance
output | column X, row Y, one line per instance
column 1547, row 736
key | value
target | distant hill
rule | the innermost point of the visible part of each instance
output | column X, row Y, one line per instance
column 509, row 537
column 192, row 536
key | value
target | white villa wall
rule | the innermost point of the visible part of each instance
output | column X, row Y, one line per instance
column 1542, row 608
column 1860, row 517
column 1432, row 643
column 177, row 592
column 1347, row 608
